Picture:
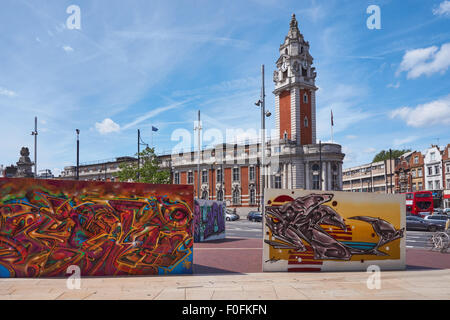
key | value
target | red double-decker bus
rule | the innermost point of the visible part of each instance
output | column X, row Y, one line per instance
column 419, row 203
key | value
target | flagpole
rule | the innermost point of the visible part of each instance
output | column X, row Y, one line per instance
column 332, row 123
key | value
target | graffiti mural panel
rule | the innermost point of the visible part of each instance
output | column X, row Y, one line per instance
column 209, row 220
column 105, row 228
column 333, row 231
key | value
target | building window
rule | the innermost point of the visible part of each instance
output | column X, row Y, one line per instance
column 177, row 178
column 315, row 176
column 413, row 173
column 236, row 174
column 277, row 182
column 448, row 183
column 420, row 186
column 251, row 173
column 430, row 185
column 305, row 98
column 205, row 195
column 436, row 169
column 419, row 172
column 219, row 175
column 334, row 181
column 252, row 196
column 437, row 185
column 190, row 177
column 433, row 156
column 220, row 195
column 430, row 171
column 236, row 197
column 416, row 159
column 285, row 135
column 204, row 176
column 305, row 122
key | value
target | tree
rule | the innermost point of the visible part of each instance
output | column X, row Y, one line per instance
column 149, row 170
column 384, row 154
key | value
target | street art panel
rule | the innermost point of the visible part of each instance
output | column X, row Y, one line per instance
column 104, row 228
column 209, row 220
column 306, row 230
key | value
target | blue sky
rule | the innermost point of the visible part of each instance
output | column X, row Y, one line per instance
column 134, row 64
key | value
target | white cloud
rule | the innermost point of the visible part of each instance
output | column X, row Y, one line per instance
column 392, row 85
column 67, row 48
column 431, row 113
column 403, row 141
column 107, row 126
column 425, row 61
column 351, row 136
column 153, row 113
column 6, row 92
column 443, row 9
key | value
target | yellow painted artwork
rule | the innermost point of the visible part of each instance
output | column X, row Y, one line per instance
column 333, row 231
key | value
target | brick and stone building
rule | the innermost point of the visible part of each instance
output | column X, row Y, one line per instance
column 446, row 176
column 409, row 174
column 375, row 177
column 231, row 172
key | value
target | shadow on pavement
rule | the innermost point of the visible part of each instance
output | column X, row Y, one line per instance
column 199, row 269
column 417, row 268
column 225, row 240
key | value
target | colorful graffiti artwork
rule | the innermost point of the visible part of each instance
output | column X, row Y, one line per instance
column 104, row 228
column 209, row 220
column 331, row 231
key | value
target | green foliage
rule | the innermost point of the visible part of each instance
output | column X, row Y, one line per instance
column 149, row 171
column 384, row 154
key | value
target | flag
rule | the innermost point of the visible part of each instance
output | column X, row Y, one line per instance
column 332, row 123
column 154, row 128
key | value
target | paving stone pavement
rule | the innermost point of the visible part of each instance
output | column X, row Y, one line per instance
column 411, row 284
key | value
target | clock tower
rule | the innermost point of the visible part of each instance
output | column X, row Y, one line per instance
column 295, row 98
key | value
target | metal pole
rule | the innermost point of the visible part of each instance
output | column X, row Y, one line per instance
column 390, row 167
column 35, row 147
column 263, row 139
column 320, row 165
column 198, row 158
column 139, row 154
column 78, row 154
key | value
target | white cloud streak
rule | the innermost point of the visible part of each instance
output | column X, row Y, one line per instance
column 436, row 112
column 425, row 61
column 443, row 9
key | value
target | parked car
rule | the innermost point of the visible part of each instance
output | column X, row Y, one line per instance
column 231, row 216
column 439, row 219
column 417, row 223
column 254, row 216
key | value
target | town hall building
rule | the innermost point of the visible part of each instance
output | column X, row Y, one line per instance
column 294, row 158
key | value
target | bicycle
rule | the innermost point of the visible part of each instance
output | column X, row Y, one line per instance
column 441, row 241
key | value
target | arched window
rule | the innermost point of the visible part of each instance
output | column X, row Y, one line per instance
column 236, row 197
column 305, row 122
column 252, row 196
column 205, row 195
column 220, row 195
column 315, row 177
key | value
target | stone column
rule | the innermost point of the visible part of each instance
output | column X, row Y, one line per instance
column 307, row 182
column 330, row 174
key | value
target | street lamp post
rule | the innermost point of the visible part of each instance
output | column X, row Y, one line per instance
column 262, row 103
column 78, row 154
column 35, row 134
